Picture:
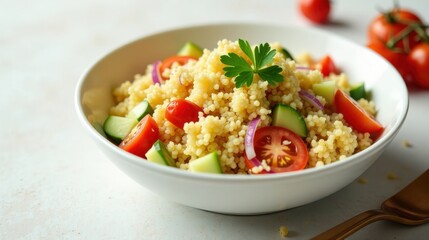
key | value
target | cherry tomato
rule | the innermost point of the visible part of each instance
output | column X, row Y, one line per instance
column 418, row 60
column 282, row 149
column 354, row 115
column 182, row 111
column 168, row 62
column 391, row 24
column 397, row 59
column 327, row 66
column 142, row 137
column 316, row 11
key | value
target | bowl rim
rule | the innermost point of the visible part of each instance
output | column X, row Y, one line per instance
column 353, row 159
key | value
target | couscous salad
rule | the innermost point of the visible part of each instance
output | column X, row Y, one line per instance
column 242, row 109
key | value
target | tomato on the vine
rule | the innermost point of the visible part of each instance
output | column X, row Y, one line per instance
column 316, row 11
column 418, row 60
column 392, row 24
column 397, row 59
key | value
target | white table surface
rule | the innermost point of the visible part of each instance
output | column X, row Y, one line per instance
column 56, row 184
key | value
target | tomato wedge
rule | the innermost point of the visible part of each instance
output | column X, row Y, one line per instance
column 327, row 66
column 182, row 111
column 142, row 137
column 168, row 62
column 282, row 149
column 355, row 115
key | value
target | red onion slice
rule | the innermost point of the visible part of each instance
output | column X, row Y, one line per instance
column 156, row 75
column 249, row 146
column 248, row 142
column 311, row 99
column 305, row 68
column 180, row 79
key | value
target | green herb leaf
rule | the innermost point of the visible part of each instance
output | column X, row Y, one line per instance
column 236, row 64
column 271, row 74
column 243, row 72
column 245, row 77
column 263, row 55
column 247, row 49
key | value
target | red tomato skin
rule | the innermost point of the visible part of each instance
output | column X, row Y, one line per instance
column 327, row 66
column 298, row 153
column 354, row 115
column 418, row 60
column 388, row 25
column 182, row 111
column 317, row 11
column 398, row 60
column 249, row 165
column 142, row 137
column 168, row 62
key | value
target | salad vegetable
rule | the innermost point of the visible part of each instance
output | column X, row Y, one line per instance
column 182, row 111
column 207, row 164
column 356, row 116
column 159, row 154
column 142, row 137
column 282, row 149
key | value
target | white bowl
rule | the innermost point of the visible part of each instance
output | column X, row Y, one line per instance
column 242, row 194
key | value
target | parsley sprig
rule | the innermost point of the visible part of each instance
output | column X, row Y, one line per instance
column 243, row 72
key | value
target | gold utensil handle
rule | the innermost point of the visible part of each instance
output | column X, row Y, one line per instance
column 355, row 223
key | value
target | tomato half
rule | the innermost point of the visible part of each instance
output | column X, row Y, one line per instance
column 282, row 149
column 355, row 115
column 249, row 165
column 142, row 137
column 327, row 66
column 418, row 60
column 182, row 111
column 316, row 11
column 168, row 62
column 391, row 24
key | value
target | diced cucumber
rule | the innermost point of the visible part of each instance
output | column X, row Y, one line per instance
column 159, row 154
column 358, row 91
column 190, row 49
column 140, row 110
column 287, row 54
column 207, row 164
column 117, row 128
column 325, row 89
column 287, row 117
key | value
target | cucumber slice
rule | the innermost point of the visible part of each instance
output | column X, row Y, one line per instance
column 190, row 49
column 326, row 89
column 117, row 128
column 159, row 154
column 287, row 117
column 287, row 54
column 358, row 91
column 208, row 164
column 140, row 111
